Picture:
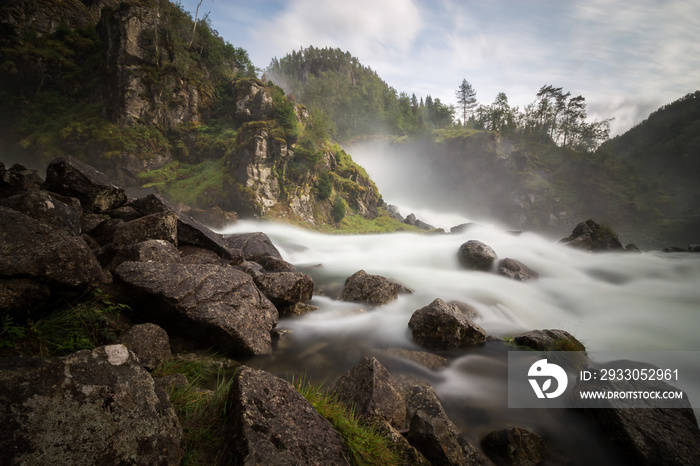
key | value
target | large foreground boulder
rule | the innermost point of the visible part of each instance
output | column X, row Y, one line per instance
column 285, row 288
column 219, row 306
column 591, row 236
column 270, row 423
column 50, row 209
column 645, row 435
column 30, row 249
column 373, row 392
column 441, row 326
column 254, row 245
column 96, row 192
column 91, row 407
column 374, row 290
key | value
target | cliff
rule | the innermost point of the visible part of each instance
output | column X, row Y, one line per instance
column 135, row 90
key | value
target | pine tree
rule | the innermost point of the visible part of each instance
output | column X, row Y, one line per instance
column 466, row 98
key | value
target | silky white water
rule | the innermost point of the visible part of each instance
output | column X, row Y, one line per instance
column 646, row 301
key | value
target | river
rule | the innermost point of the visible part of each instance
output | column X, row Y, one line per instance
column 647, row 301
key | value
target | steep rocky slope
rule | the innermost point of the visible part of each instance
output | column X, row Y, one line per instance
column 136, row 90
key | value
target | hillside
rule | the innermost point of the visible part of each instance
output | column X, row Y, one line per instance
column 140, row 91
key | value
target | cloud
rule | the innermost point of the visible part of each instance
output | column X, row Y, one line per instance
column 369, row 29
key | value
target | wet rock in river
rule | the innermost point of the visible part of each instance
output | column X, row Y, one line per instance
column 441, row 326
column 476, row 255
column 374, row 290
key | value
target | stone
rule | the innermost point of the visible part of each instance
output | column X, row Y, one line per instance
column 162, row 226
column 125, row 212
column 475, row 255
column 432, row 432
column 254, row 245
column 442, row 326
column 20, row 295
column 196, row 255
column 91, row 407
column 218, row 306
column 275, row 264
column 591, row 236
column 399, row 444
column 632, row 248
column 648, row 434
column 214, row 217
column 30, row 249
column 104, row 232
column 514, row 446
column 156, row 250
column 51, row 209
column 150, row 344
column 189, row 231
column 95, row 191
column 285, row 288
column 369, row 387
column 374, row 290
column 18, row 179
column 469, row 311
column 269, row 422
column 549, row 340
column 516, row 270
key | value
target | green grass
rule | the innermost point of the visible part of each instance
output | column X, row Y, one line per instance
column 86, row 323
column 202, row 415
column 197, row 185
column 366, row 444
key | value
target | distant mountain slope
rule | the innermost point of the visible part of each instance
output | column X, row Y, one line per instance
column 666, row 148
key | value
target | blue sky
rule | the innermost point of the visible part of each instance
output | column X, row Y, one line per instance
column 626, row 58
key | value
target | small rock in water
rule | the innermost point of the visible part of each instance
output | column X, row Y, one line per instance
column 441, row 326
column 476, row 255
column 516, row 270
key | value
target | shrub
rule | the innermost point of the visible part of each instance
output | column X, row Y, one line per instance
column 338, row 210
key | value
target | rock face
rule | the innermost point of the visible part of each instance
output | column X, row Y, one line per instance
column 514, row 446
column 590, row 236
column 516, row 270
column 441, row 326
column 91, row 407
column 476, row 255
column 217, row 305
column 54, row 257
column 95, row 191
column 373, row 392
column 374, row 290
column 270, row 423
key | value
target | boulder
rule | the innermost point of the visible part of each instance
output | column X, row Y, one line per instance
column 269, row 422
column 549, row 340
column 72, row 178
column 648, row 434
column 516, row 270
column 162, row 226
column 196, row 255
column 219, row 306
column 156, row 250
column 189, row 231
column 476, row 255
column 51, row 209
column 275, row 264
column 373, row 392
column 413, row 221
column 465, row 309
column 18, row 179
column 20, row 295
column 514, row 446
column 126, row 213
column 254, row 245
column 285, row 288
column 91, row 407
column 150, row 344
column 442, row 326
column 29, row 249
column 399, row 443
column 591, row 236
column 432, row 432
column 214, row 217
column 104, row 232
column 374, row 290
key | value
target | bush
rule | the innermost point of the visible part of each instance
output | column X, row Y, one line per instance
column 324, row 186
column 338, row 210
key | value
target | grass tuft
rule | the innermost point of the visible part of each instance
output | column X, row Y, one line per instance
column 367, row 445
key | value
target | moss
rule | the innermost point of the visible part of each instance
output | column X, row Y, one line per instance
column 198, row 185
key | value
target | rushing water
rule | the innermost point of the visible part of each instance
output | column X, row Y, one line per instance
column 609, row 301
